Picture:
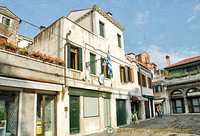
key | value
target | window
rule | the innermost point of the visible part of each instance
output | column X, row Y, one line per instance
column 74, row 57
column 9, row 102
column 2, row 37
column 119, row 40
column 6, row 21
column 104, row 68
column 45, row 116
column 190, row 69
column 101, row 28
column 149, row 82
column 158, row 89
column 143, row 80
column 139, row 79
column 126, row 74
column 92, row 64
column 90, row 106
column 145, row 59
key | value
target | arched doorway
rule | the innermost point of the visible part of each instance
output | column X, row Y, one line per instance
column 193, row 96
column 177, row 102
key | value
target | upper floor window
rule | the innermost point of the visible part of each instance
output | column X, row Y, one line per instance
column 158, row 89
column 139, row 79
column 104, row 68
column 2, row 37
column 149, row 82
column 92, row 64
column 5, row 21
column 101, row 28
column 144, row 80
column 74, row 57
column 119, row 40
column 126, row 74
column 190, row 69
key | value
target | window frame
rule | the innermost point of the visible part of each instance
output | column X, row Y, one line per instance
column 101, row 29
column 92, row 64
column 4, row 20
column 119, row 40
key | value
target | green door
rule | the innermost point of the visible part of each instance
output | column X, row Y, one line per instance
column 121, row 112
column 74, row 114
column 107, row 112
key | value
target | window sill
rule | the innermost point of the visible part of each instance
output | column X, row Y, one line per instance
column 93, row 75
column 74, row 70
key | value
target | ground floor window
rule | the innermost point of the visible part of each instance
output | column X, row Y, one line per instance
column 178, row 106
column 9, row 102
column 194, row 105
column 45, row 116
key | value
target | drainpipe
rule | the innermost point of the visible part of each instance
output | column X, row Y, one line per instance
column 65, row 68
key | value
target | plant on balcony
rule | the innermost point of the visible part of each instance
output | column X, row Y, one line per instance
column 59, row 61
column 8, row 46
column 2, row 45
column 23, row 51
column 35, row 54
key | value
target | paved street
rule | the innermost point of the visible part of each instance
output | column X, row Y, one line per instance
column 176, row 125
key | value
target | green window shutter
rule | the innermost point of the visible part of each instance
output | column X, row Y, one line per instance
column 80, row 63
column 120, row 73
column 129, row 75
column 101, row 27
column 92, row 64
column 125, row 75
column 102, row 60
column 68, row 55
column 7, row 21
column 145, row 60
column 119, row 40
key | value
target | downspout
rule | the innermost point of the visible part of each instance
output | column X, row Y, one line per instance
column 65, row 67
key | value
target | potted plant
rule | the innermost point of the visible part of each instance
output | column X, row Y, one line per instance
column 23, row 51
column 1, row 44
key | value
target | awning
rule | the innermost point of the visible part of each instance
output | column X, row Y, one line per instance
column 158, row 101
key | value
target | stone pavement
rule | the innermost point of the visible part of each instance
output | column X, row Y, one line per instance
column 174, row 125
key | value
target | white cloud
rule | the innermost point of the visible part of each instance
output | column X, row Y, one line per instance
column 196, row 13
column 142, row 17
column 158, row 54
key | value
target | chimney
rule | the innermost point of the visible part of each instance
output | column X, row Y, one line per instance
column 42, row 28
column 110, row 14
column 168, row 60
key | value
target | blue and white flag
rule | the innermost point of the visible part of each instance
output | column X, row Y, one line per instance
column 108, row 63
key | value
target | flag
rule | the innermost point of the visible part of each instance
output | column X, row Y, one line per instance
column 108, row 63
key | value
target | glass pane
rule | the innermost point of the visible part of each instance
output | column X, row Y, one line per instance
column 195, row 102
column 178, row 103
column 8, row 113
column 49, row 115
column 179, row 110
column 39, row 116
column 196, row 109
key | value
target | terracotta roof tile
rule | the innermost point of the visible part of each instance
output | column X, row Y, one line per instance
column 185, row 61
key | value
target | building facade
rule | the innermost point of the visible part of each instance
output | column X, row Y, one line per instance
column 183, row 86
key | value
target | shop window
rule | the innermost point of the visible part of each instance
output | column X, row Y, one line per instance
column 74, row 57
column 91, row 106
column 45, row 116
column 92, row 64
column 9, row 102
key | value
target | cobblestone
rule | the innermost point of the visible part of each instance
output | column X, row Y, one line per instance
column 176, row 125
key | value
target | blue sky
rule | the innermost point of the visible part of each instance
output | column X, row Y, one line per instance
column 158, row 27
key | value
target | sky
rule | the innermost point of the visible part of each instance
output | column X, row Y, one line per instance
column 159, row 27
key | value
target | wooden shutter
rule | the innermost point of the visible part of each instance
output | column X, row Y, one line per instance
column 92, row 64
column 131, row 75
column 80, row 64
column 68, row 55
column 139, row 81
column 102, row 67
column 125, row 74
column 120, row 73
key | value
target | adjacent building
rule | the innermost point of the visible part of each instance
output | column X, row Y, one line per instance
column 183, row 86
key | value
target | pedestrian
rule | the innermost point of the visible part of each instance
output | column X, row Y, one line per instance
column 157, row 112
column 160, row 110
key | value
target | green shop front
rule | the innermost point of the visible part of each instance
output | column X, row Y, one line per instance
column 87, row 109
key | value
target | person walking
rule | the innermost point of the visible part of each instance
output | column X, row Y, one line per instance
column 159, row 111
